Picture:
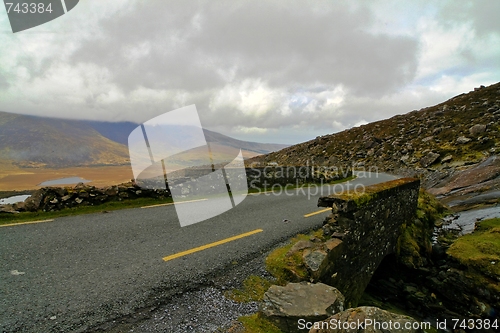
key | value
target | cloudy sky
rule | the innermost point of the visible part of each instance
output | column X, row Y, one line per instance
column 267, row 71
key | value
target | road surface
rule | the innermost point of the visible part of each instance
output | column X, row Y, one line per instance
column 74, row 272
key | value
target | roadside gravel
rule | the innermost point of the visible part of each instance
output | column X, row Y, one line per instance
column 203, row 309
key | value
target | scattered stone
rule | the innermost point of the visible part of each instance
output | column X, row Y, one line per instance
column 477, row 129
column 429, row 159
column 8, row 209
column 463, row 140
column 284, row 306
column 300, row 245
column 446, row 159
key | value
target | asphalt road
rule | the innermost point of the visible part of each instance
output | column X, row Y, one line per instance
column 75, row 272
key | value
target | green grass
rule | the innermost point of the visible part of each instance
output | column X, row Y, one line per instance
column 289, row 268
column 257, row 324
column 253, row 289
column 481, row 249
column 108, row 206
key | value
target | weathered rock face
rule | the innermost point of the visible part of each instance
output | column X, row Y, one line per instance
column 369, row 227
column 367, row 319
column 284, row 306
column 480, row 178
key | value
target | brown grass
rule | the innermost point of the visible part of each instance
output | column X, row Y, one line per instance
column 13, row 178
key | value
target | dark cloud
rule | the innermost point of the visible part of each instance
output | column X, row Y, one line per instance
column 192, row 46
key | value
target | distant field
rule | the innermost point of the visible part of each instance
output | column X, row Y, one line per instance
column 19, row 179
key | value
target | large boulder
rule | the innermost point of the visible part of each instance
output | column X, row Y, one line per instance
column 477, row 129
column 429, row 159
column 366, row 319
column 32, row 204
column 285, row 306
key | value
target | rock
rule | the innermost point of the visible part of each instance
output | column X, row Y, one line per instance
column 429, row 159
column 437, row 130
column 333, row 243
column 78, row 200
column 483, row 172
column 300, row 245
column 429, row 138
column 19, row 206
column 32, row 204
column 111, row 191
column 284, row 306
column 379, row 319
column 446, row 159
column 477, row 129
column 8, row 209
column 66, row 197
column 314, row 259
column 462, row 140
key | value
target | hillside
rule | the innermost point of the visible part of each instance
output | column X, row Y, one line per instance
column 436, row 142
column 30, row 141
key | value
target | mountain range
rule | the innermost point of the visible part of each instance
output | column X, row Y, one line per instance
column 31, row 141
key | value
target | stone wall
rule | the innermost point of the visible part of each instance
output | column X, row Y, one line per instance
column 364, row 229
column 186, row 181
column 193, row 181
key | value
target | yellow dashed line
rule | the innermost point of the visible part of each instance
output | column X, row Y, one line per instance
column 318, row 212
column 204, row 247
column 20, row 223
column 171, row 203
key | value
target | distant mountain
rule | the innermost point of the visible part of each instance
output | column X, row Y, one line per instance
column 30, row 141
column 119, row 132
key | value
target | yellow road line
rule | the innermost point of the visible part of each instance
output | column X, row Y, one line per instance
column 171, row 203
column 20, row 223
column 260, row 193
column 318, row 212
column 207, row 246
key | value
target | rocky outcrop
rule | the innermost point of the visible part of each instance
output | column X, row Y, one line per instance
column 285, row 306
column 478, row 180
column 367, row 319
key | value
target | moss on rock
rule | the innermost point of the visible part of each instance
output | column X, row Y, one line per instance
column 414, row 244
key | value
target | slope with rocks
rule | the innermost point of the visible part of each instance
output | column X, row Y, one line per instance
column 437, row 142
